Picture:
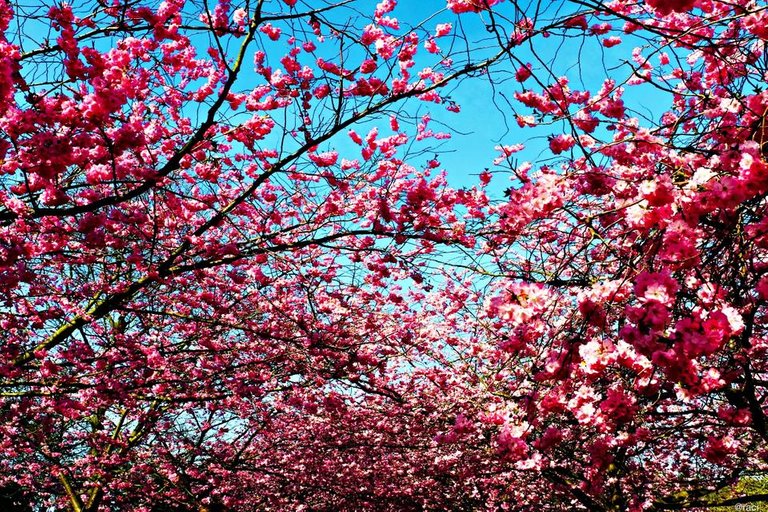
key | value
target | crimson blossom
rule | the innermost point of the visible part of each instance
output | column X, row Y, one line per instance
column 235, row 277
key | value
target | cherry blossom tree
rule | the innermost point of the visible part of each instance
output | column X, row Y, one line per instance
column 623, row 315
column 234, row 275
column 193, row 232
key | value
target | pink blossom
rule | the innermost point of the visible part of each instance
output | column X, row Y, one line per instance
column 523, row 73
column 462, row 6
column 326, row 159
column 561, row 143
column 443, row 29
column 271, row 31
